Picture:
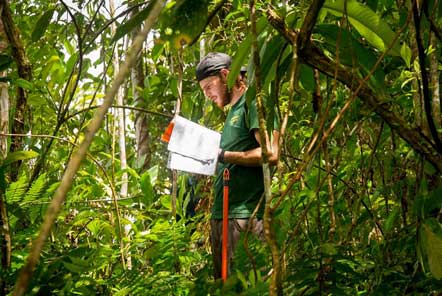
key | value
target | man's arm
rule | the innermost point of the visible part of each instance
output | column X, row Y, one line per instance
column 253, row 157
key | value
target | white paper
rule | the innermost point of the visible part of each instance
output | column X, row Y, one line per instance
column 193, row 148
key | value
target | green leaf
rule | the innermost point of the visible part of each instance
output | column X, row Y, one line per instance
column 352, row 53
column 431, row 246
column 428, row 202
column 24, row 84
column 307, row 78
column 2, row 179
column 36, row 100
column 5, row 61
column 188, row 21
column 69, row 47
column 238, row 60
column 166, row 201
column 242, row 278
column 42, row 24
column 36, row 190
column 243, row 53
column 329, row 249
column 406, row 54
column 392, row 218
column 157, row 50
column 269, row 56
column 18, row 155
column 133, row 22
column 77, row 265
column 146, row 188
column 16, row 190
column 377, row 32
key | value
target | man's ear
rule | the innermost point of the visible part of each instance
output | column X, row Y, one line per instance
column 224, row 72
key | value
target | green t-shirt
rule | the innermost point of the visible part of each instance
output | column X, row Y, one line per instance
column 246, row 184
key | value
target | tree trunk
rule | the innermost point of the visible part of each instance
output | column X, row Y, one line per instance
column 417, row 95
column 5, row 235
column 22, row 111
column 142, row 136
column 434, row 83
column 4, row 116
column 4, row 98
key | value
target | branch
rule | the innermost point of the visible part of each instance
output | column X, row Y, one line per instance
column 309, row 23
column 314, row 57
column 61, row 112
column 122, row 107
column 269, row 232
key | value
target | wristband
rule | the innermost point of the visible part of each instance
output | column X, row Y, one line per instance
column 221, row 156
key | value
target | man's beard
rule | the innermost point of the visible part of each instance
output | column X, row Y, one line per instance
column 227, row 94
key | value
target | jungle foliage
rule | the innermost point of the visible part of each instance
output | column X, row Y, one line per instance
column 356, row 199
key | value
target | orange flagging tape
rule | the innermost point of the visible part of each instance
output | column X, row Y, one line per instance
column 165, row 137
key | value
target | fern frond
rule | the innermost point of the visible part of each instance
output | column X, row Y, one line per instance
column 37, row 188
column 16, row 190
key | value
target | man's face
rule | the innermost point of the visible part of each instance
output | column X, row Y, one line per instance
column 215, row 89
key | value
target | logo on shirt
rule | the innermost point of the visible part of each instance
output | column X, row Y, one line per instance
column 234, row 119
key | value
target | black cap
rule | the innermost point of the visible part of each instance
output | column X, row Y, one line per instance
column 211, row 64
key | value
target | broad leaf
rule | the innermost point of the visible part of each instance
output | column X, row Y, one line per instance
column 36, row 100
column 240, row 57
column 391, row 219
column 243, row 53
column 183, row 21
column 146, row 188
column 42, row 24
column 18, row 155
column 351, row 52
column 24, row 84
column 377, row 32
column 133, row 22
column 431, row 246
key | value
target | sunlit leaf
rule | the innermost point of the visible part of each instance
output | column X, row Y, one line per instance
column 166, row 201
column 18, row 155
column 16, row 191
column 406, row 54
column 184, row 22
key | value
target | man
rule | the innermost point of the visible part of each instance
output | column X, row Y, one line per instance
column 240, row 152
